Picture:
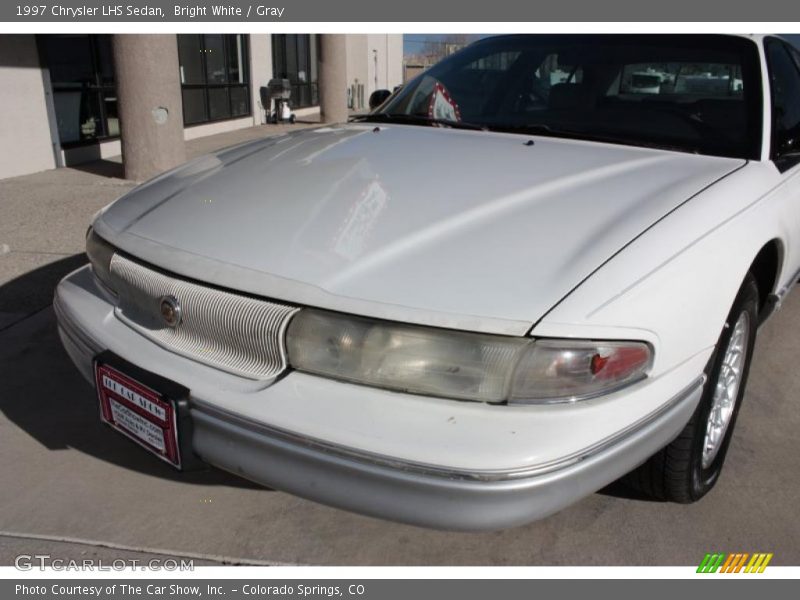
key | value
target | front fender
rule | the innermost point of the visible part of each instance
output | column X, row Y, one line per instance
column 673, row 286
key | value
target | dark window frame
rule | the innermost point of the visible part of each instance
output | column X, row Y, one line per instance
column 281, row 68
column 98, row 89
column 783, row 162
column 206, row 87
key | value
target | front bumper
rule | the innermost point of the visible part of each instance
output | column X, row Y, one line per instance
column 411, row 495
column 428, row 488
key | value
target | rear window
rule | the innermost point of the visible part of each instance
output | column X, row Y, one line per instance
column 709, row 80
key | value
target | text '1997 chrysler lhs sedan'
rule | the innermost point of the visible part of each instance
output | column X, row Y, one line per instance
column 536, row 268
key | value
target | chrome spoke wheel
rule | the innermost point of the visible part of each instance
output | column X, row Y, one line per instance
column 726, row 389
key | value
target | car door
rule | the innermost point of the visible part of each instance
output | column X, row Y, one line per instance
column 784, row 76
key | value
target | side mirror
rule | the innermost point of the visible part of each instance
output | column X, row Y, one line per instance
column 377, row 98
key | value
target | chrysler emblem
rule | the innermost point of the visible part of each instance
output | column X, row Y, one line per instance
column 170, row 310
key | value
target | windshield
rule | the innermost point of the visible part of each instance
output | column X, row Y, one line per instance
column 692, row 93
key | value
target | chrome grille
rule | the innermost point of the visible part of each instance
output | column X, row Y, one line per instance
column 229, row 331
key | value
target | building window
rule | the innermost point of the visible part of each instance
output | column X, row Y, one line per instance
column 294, row 57
column 214, row 77
column 84, row 90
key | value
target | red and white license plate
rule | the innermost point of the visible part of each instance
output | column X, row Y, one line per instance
column 139, row 412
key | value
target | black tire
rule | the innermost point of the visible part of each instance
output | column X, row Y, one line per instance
column 676, row 473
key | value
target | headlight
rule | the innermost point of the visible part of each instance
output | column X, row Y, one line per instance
column 453, row 364
column 403, row 357
column 100, row 252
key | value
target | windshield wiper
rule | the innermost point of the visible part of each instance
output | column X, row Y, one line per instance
column 415, row 120
column 530, row 128
column 548, row 130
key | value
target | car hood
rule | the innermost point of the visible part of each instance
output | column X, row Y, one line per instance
column 454, row 228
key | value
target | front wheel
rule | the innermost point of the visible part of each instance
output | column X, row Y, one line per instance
column 688, row 468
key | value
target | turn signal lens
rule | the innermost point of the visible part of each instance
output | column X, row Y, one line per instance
column 569, row 370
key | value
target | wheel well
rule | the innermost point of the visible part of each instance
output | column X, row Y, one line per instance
column 765, row 268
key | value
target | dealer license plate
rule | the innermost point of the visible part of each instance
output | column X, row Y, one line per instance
column 138, row 411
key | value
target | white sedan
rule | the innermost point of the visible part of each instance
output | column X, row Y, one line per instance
column 523, row 276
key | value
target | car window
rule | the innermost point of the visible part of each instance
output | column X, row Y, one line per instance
column 795, row 55
column 708, row 80
column 473, row 83
column 555, row 69
column 699, row 94
column 785, row 85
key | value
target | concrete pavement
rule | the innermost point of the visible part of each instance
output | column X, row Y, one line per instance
column 63, row 476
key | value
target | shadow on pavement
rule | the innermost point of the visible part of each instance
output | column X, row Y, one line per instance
column 102, row 168
column 33, row 291
column 43, row 394
column 620, row 489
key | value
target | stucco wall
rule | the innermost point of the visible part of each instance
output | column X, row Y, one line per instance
column 385, row 60
column 375, row 61
column 24, row 128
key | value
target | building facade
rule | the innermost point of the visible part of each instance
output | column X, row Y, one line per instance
column 60, row 94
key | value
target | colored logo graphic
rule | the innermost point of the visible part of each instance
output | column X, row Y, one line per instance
column 740, row 562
